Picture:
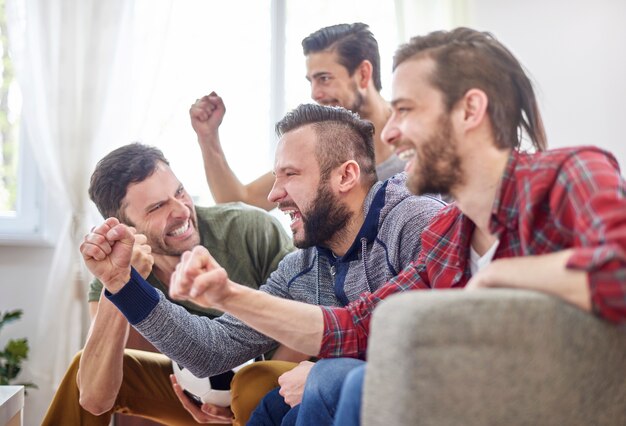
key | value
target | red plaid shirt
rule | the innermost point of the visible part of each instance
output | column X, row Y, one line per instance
column 547, row 202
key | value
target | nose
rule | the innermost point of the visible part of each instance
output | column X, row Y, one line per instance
column 390, row 133
column 317, row 94
column 277, row 193
column 179, row 208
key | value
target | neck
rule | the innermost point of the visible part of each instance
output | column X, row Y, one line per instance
column 378, row 111
column 475, row 197
column 164, row 266
column 344, row 238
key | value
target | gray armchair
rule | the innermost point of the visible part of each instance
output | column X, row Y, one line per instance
column 492, row 357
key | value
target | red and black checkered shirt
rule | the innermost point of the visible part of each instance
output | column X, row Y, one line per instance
column 546, row 202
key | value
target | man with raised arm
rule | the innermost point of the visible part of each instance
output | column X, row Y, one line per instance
column 354, row 233
column 343, row 68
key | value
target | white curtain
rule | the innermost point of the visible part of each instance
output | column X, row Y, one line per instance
column 87, row 74
column 66, row 67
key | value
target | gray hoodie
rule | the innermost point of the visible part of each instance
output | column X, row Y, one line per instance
column 387, row 242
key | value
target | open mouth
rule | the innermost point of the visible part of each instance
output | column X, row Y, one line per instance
column 406, row 154
column 295, row 215
column 180, row 230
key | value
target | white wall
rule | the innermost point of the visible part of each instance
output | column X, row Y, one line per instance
column 23, row 272
column 575, row 51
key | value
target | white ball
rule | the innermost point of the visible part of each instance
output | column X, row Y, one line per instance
column 213, row 390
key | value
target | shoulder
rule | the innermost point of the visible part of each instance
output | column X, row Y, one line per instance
column 237, row 217
column 231, row 212
column 558, row 170
column 298, row 260
column 446, row 220
column 565, row 159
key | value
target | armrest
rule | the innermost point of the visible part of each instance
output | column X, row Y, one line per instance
column 495, row 356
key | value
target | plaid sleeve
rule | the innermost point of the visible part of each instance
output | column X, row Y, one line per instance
column 346, row 329
column 596, row 204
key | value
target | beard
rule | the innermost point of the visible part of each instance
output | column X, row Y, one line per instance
column 439, row 165
column 327, row 218
column 357, row 104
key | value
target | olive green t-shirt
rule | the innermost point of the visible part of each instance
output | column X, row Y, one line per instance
column 246, row 241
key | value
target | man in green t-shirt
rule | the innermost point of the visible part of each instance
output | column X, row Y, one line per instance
column 135, row 184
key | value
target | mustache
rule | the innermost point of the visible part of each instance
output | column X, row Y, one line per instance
column 287, row 204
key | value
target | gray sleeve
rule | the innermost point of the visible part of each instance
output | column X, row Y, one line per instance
column 420, row 211
column 207, row 346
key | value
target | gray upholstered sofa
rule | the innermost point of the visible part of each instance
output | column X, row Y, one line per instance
column 492, row 357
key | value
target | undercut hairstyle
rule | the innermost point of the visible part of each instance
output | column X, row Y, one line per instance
column 128, row 164
column 341, row 136
column 353, row 43
column 468, row 59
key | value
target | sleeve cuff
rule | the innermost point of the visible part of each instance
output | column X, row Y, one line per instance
column 136, row 299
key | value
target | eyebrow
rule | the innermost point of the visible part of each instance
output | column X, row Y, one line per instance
column 395, row 102
column 318, row 74
column 283, row 169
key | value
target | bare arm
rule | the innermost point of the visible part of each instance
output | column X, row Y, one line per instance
column 100, row 371
column 546, row 273
column 206, row 116
column 198, row 277
column 283, row 353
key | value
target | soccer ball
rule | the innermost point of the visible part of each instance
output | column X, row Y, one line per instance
column 214, row 390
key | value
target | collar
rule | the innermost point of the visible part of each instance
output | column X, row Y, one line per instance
column 504, row 213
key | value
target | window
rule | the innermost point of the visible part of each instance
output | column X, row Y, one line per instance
column 203, row 47
column 20, row 199
column 250, row 53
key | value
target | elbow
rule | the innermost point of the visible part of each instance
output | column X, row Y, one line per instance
column 95, row 404
column 94, row 401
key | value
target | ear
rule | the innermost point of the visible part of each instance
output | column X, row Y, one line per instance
column 473, row 108
column 364, row 74
column 349, row 176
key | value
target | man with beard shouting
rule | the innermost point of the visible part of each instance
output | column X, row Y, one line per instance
column 354, row 233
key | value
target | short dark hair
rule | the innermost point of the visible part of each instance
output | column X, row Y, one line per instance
column 354, row 43
column 465, row 59
column 116, row 171
column 341, row 136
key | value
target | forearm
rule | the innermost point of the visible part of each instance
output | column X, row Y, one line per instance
column 222, row 181
column 547, row 273
column 100, row 371
column 295, row 324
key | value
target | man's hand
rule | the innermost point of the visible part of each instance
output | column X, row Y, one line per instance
column 292, row 383
column 205, row 414
column 199, row 278
column 107, row 251
column 206, row 116
column 485, row 278
column 142, row 259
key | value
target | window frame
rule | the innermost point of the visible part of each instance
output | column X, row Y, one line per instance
column 27, row 225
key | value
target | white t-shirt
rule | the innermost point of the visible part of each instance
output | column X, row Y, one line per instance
column 479, row 262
